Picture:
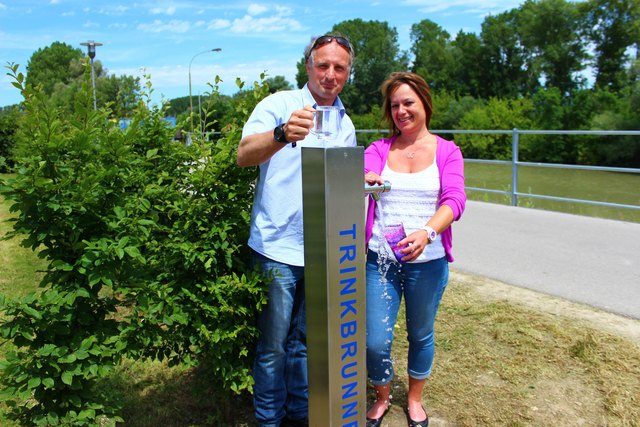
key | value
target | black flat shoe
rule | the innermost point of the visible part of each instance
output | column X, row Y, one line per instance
column 413, row 423
column 288, row 422
column 377, row 422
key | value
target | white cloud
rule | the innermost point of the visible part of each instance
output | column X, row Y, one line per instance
column 260, row 18
column 471, row 6
column 248, row 24
column 54, row 2
column 71, row 13
column 284, row 10
column 163, row 11
column 110, row 10
column 256, row 9
column 2, row 6
column 118, row 26
column 91, row 24
column 267, row 24
column 218, row 24
column 158, row 26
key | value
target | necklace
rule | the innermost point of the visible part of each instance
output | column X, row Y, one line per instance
column 416, row 145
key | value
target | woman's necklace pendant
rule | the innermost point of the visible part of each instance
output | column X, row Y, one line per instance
column 411, row 155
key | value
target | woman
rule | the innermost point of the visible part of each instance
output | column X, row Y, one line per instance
column 427, row 195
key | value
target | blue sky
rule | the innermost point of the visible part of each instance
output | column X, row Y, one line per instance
column 160, row 38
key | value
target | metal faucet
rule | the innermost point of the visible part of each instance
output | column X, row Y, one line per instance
column 376, row 189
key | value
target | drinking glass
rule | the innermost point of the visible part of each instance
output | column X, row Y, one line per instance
column 326, row 123
column 394, row 233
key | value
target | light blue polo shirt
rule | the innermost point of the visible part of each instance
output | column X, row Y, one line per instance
column 276, row 216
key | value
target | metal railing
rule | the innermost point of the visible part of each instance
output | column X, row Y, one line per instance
column 516, row 163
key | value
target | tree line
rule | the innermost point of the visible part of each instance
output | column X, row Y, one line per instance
column 547, row 64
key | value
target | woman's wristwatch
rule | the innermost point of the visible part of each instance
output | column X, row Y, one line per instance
column 431, row 233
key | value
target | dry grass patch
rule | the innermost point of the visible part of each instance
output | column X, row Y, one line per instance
column 500, row 363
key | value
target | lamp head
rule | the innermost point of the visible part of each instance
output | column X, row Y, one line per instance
column 91, row 48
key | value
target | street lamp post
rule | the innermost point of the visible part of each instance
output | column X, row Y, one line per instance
column 91, row 50
column 217, row 49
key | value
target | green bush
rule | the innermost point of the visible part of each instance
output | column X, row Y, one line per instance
column 496, row 114
column 9, row 117
column 371, row 121
column 145, row 243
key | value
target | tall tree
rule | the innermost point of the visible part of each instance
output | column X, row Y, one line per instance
column 50, row 65
column 61, row 70
column 178, row 106
column 550, row 30
column 612, row 26
column 9, row 117
column 467, row 77
column 433, row 56
column 301, row 74
column 122, row 91
column 277, row 83
column 504, row 63
column 377, row 55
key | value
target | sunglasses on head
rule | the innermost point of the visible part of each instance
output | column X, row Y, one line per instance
column 320, row 41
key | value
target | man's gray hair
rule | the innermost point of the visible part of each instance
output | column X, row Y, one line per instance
column 311, row 47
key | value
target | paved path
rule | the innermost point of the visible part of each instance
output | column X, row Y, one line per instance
column 582, row 259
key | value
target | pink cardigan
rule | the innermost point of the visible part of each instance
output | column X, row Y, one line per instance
column 451, row 168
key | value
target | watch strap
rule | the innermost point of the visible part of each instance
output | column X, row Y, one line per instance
column 279, row 135
column 431, row 233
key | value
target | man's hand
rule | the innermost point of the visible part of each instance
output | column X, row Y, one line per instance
column 299, row 124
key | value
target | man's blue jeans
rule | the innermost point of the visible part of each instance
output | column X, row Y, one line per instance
column 280, row 366
column 422, row 285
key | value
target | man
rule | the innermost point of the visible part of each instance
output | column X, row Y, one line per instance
column 272, row 139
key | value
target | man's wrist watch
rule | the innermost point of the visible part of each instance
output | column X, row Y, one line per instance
column 279, row 135
column 431, row 233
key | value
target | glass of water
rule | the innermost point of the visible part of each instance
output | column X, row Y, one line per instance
column 326, row 123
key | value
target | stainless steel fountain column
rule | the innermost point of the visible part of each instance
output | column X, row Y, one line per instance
column 333, row 207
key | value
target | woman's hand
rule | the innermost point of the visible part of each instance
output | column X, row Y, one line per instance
column 373, row 178
column 417, row 241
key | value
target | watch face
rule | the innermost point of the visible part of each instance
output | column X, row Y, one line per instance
column 278, row 134
column 431, row 233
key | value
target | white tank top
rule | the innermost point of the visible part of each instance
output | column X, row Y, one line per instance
column 412, row 201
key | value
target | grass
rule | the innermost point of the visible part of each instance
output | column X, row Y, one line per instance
column 497, row 363
column 20, row 268
column 610, row 187
column 153, row 394
column 500, row 363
